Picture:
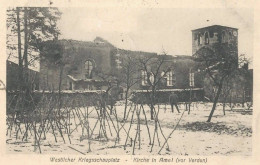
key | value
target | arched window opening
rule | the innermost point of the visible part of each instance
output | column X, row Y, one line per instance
column 199, row 39
column 207, row 38
column 223, row 36
column 71, row 85
column 144, row 78
column 151, row 77
column 191, row 79
column 88, row 69
column 171, row 79
column 163, row 74
column 230, row 36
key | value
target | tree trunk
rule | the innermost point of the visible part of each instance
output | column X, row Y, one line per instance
column 152, row 108
column 19, row 49
column 215, row 101
column 26, row 83
column 60, row 83
column 152, row 104
column 25, row 54
column 111, row 104
column 189, row 101
column 126, row 100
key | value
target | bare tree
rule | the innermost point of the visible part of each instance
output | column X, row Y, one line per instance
column 128, row 78
column 246, row 78
column 154, row 68
column 235, row 84
column 219, row 62
column 110, row 96
column 226, row 91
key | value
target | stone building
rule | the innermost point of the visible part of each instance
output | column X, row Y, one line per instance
column 216, row 34
column 97, row 65
column 71, row 66
column 240, row 87
column 85, row 65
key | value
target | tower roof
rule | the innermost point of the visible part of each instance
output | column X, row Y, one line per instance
column 214, row 26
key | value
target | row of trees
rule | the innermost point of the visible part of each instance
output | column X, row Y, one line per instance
column 27, row 28
column 218, row 64
column 152, row 72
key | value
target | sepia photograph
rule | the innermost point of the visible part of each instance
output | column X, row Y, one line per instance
column 153, row 81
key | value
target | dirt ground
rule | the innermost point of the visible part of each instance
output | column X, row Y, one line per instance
column 229, row 134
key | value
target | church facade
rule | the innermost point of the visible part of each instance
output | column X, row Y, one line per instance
column 99, row 65
column 89, row 66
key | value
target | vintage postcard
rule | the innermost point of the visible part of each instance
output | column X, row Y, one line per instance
column 156, row 82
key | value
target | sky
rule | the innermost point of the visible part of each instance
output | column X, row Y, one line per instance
column 154, row 29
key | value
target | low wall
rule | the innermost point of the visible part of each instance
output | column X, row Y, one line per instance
column 44, row 99
column 17, row 100
column 163, row 96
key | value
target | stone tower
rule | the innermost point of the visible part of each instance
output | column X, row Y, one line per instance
column 210, row 35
